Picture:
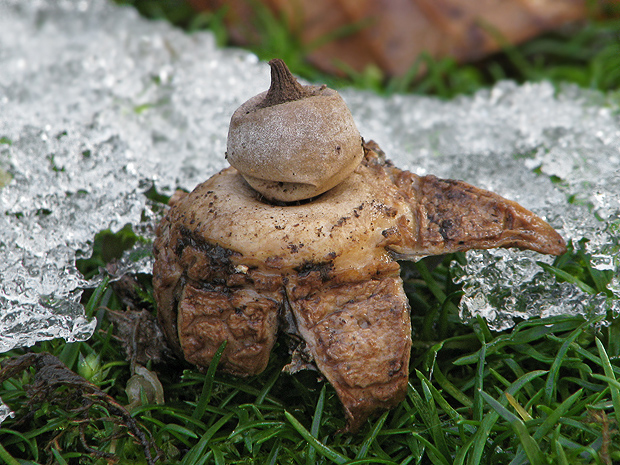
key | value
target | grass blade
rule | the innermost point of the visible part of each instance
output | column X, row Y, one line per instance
column 267, row 387
column 372, row 461
column 478, row 404
column 518, row 407
column 32, row 444
column 567, row 277
column 554, row 371
column 273, row 455
column 318, row 413
column 95, row 299
column 549, row 423
column 459, row 459
column 321, row 448
column 218, row 456
column 205, row 395
column 528, row 443
column 197, row 451
column 59, row 458
column 7, row 458
column 480, row 438
column 371, row 437
column 178, row 429
column 609, row 373
column 433, row 286
column 432, row 452
column 443, row 403
column 558, row 449
column 450, row 388
column 250, row 425
column 428, row 412
column 558, row 413
column 316, row 423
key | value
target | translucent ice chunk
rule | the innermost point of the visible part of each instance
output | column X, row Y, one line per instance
column 90, row 118
column 5, row 412
column 97, row 105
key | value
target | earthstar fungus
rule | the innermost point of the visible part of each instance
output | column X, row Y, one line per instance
column 306, row 227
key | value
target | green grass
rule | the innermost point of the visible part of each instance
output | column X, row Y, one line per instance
column 546, row 391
